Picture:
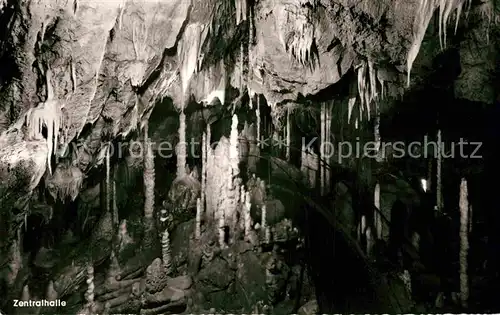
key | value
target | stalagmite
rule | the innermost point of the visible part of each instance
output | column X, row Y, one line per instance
column 89, row 295
column 247, row 217
column 25, row 295
column 116, row 218
column 376, row 132
column 233, row 149
column 377, row 214
column 16, row 260
column 204, row 153
column 51, row 294
column 288, row 134
column 182, row 146
column 198, row 219
column 464, row 242
column 415, row 241
column 257, row 116
column 148, row 176
column 263, row 220
column 166, row 252
column 439, row 195
column 267, row 235
column 369, row 242
column 322, row 150
column 470, row 218
column 361, row 228
column 108, row 189
column 327, row 145
column 114, row 267
column 221, row 228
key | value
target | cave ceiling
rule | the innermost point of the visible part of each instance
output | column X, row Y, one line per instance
column 99, row 67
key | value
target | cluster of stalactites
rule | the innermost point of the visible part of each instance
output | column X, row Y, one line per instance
column 369, row 88
column 425, row 12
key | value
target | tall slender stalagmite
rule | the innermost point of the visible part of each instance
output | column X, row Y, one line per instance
column 25, row 294
column 204, row 153
column 288, row 134
column 166, row 252
column 116, row 218
column 376, row 132
column 322, row 149
column 51, row 293
column 257, row 116
column 439, row 194
column 221, row 228
column 464, row 242
column 89, row 295
column 149, row 176
column 15, row 259
column 198, row 219
column 233, row 150
column 429, row 173
column 328, row 145
column 377, row 215
column 247, row 218
column 182, row 146
column 109, row 188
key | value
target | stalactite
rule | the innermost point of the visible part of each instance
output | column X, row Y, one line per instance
column 188, row 54
column 241, row 11
column 242, row 69
column 182, row 146
column 464, row 243
column 51, row 294
column 422, row 19
column 439, row 194
column 198, row 219
column 424, row 14
column 89, row 295
column 149, row 176
column 249, row 50
column 377, row 214
column 247, row 217
column 47, row 114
